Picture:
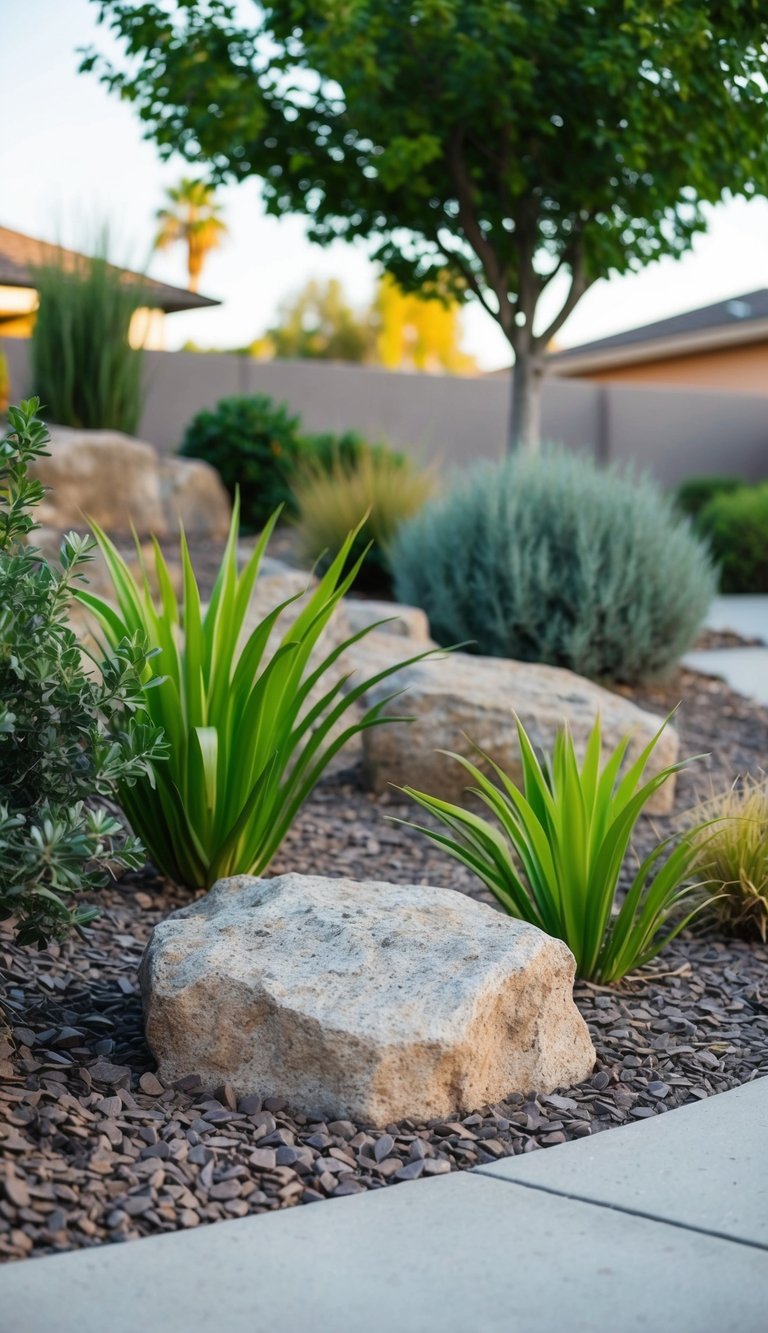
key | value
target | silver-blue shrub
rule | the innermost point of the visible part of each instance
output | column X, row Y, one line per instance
column 549, row 558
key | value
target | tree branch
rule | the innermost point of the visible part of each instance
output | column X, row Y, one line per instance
column 476, row 238
column 470, row 277
column 580, row 282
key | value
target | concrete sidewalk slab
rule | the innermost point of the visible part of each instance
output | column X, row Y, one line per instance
column 701, row 1166
column 464, row 1253
column 745, row 613
column 744, row 669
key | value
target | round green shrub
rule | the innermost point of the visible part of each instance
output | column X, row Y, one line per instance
column 695, row 493
column 347, row 451
column 253, row 443
column 736, row 528
column 547, row 558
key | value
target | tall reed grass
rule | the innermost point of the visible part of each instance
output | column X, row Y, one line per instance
column 84, row 369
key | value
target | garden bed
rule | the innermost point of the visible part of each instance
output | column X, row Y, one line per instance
column 93, row 1148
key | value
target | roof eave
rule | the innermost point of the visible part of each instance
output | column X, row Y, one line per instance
column 176, row 307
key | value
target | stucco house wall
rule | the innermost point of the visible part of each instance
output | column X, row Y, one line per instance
column 741, row 369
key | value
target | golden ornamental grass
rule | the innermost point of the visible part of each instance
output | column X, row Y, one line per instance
column 380, row 488
column 733, row 856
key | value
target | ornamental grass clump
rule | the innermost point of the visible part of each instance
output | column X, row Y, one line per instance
column 68, row 737
column 548, row 558
column 375, row 493
column 251, row 723
column 732, row 857
column 553, row 851
column 84, row 367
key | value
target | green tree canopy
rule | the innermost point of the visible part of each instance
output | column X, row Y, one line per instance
column 498, row 141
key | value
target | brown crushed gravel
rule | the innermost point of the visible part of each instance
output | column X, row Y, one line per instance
column 725, row 638
column 93, row 1148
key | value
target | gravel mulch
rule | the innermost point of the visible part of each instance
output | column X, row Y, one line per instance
column 726, row 638
column 93, row 1148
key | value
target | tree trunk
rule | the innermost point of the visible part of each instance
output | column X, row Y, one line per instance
column 194, row 264
column 525, row 406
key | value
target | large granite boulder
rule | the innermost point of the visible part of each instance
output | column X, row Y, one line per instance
column 365, row 1001
column 457, row 699
column 193, row 496
column 278, row 581
column 119, row 481
column 407, row 622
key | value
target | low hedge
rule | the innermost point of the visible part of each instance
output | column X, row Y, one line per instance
column 736, row 527
column 695, row 494
column 259, row 447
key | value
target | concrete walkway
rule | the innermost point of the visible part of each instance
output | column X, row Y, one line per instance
column 744, row 613
column 660, row 1227
column 744, row 669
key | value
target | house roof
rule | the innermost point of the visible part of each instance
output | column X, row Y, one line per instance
column 20, row 255
column 739, row 320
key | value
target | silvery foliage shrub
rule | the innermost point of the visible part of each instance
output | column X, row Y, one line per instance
column 67, row 735
column 547, row 558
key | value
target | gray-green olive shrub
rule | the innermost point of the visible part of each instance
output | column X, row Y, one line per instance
column 67, row 735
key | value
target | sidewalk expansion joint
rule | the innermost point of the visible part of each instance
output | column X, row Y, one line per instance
column 621, row 1208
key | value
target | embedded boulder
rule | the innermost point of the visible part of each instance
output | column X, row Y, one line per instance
column 120, row 481
column 193, row 495
column 363, row 1001
column 406, row 622
column 457, row 700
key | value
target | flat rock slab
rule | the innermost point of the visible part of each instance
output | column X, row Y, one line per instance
column 368, row 1001
column 457, row 699
column 702, row 1166
column 461, row 1254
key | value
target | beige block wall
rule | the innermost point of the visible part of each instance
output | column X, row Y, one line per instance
column 671, row 432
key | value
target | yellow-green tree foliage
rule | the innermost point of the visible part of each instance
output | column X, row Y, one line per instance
column 418, row 334
column 398, row 330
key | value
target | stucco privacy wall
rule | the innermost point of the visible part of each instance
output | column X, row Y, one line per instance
column 679, row 433
column 446, row 418
column 675, row 433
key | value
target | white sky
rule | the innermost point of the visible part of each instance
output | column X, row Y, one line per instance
column 72, row 157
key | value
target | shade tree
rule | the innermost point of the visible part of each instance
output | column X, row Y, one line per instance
column 512, row 153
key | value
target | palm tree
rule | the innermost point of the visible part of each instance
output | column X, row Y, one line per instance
column 192, row 216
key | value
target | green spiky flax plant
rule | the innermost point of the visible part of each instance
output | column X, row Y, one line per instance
column 553, row 851
column 248, row 736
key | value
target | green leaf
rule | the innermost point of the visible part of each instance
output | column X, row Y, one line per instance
column 250, row 728
column 556, row 849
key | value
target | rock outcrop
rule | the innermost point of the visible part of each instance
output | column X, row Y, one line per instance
column 117, row 480
column 367, row 1001
column 457, row 699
